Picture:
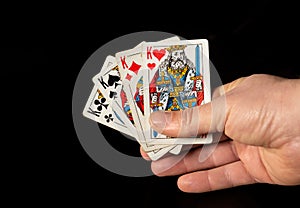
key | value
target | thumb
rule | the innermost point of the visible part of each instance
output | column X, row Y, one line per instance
column 191, row 122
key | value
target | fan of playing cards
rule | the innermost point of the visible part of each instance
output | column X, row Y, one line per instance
column 168, row 75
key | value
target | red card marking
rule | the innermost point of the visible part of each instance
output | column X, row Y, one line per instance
column 128, row 77
column 151, row 65
column 134, row 67
column 159, row 53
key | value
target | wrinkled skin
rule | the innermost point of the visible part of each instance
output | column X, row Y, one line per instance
column 261, row 136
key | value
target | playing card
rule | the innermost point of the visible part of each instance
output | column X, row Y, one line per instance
column 133, row 88
column 108, row 79
column 110, row 84
column 177, row 77
column 98, row 109
column 167, row 75
column 128, row 67
column 153, row 152
column 132, row 60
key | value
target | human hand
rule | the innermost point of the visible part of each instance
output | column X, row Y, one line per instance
column 260, row 142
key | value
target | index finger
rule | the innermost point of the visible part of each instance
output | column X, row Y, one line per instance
column 144, row 154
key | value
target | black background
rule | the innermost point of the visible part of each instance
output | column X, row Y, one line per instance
column 44, row 50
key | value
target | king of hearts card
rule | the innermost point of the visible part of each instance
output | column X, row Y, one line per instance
column 178, row 78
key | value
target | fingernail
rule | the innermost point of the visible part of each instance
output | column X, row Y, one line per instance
column 159, row 120
column 185, row 183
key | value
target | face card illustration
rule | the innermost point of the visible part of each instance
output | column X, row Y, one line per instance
column 154, row 151
column 179, row 78
column 134, row 79
column 133, row 88
column 130, row 68
column 129, row 63
column 98, row 109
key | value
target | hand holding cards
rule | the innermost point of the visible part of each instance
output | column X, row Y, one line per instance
column 168, row 75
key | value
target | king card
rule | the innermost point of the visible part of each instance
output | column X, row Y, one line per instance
column 133, row 88
column 110, row 84
column 108, row 79
column 177, row 77
column 132, row 61
column 98, row 109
